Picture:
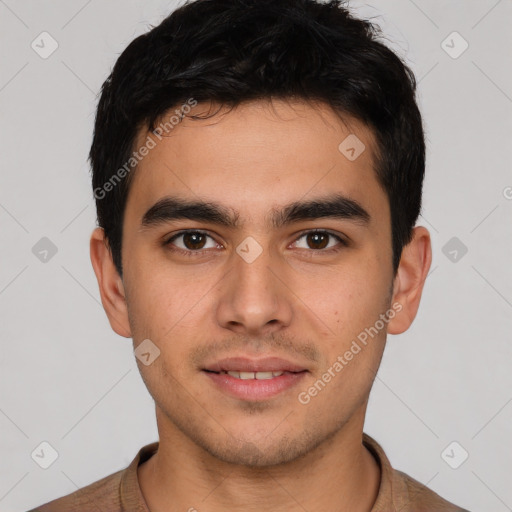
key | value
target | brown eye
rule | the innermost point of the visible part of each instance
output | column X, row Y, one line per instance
column 319, row 240
column 192, row 241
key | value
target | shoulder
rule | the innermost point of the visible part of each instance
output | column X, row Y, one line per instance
column 115, row 493
column 399, row 491
column 103, row 494
column 423, row 499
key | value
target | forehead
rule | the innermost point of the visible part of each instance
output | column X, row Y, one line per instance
column 257, row 156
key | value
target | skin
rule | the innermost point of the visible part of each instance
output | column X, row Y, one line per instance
column 294, row 301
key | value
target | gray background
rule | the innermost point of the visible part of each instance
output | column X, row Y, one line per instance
column 67, row 379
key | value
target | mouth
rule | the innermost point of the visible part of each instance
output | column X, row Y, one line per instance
column 245, row 365
column 265, row 375
column 252, row 375
column 254, row 380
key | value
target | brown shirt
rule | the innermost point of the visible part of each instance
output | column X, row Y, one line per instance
column 120, row 492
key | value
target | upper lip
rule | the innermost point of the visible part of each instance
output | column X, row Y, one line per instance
column 244, row 364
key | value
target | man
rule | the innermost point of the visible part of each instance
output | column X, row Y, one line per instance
column 257, row 169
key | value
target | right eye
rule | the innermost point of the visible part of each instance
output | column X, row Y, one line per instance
column 191, row 241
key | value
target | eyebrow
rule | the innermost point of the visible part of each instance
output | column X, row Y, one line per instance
column 335, row 206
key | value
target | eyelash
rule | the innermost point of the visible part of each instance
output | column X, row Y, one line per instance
column 199, row 252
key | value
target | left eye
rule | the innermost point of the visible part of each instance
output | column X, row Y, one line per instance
column 319, row 240
column 192, row 241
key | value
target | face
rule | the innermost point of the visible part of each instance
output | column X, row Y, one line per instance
column 273, row 274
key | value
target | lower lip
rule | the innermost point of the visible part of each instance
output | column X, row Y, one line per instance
column 254, row 389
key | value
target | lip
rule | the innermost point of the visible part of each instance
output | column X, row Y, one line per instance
column 254, row 389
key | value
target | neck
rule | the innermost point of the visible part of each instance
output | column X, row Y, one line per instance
column 338, row 475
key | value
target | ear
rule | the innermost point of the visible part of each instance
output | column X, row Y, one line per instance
column 110, row 284
column 410, row 278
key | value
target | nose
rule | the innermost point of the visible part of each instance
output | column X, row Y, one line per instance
column 254, row 298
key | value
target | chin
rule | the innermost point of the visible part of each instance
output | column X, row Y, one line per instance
column 258, row 452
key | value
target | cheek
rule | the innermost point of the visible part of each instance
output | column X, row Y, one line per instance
column 346, row 300
column 162, row 301
column 172, row 314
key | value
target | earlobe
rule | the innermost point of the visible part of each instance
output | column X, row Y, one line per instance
column 410, row 279
column 110, row 284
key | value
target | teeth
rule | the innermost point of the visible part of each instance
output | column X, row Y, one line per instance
column 254, row 375
column 263, row 375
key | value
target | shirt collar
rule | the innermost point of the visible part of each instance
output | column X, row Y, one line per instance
column 131, row 497
column 393, row 495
